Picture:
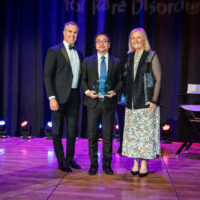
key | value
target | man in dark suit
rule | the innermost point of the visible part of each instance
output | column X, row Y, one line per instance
column 61, row 76
column 101, row 107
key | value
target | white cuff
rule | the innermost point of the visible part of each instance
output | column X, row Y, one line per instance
column 52, row 97
column 86, row 92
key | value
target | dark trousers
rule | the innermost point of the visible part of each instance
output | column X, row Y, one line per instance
column 106, row 115
column 69, row 111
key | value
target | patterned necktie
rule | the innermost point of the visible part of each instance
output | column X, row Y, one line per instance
column 72, row 47
column 103, row 67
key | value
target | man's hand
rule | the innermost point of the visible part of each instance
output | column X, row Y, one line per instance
column 92, row 94
column 53, row 104
column 110, row 94
column 152, row 106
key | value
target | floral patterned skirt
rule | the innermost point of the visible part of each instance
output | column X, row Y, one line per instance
column 141, row 137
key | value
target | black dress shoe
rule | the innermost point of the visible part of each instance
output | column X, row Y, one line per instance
column 64, row 169
column 92, row 170
column 142, row 174
column 108, row 170
column 134, row 173
column 74, row 165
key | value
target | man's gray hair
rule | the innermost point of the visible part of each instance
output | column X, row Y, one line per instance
column 71, row 23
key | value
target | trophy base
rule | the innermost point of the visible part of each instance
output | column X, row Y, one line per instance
column 101, row 93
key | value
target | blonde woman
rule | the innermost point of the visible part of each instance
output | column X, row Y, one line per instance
column 142, row 117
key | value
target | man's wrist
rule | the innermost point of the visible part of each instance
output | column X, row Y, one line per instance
column 86, row 92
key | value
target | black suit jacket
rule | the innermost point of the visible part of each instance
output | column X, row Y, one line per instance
column 58, row 73
column 90, row 74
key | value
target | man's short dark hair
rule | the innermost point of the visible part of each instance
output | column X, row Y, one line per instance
column 102, row 33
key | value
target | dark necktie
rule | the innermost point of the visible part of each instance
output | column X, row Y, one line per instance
column 72, row 47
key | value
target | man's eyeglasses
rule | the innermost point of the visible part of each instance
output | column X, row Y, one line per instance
column 102, row 41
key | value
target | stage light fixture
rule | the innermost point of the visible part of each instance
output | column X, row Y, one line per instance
column 3, row 129
column 49, row 131
column 25, row 130
column 166, row 127
column 117, row 127
column 166, row 133
column 117, row 134
column 100, row 132
column 100, row 126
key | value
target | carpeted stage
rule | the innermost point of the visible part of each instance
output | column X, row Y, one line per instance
column 28, row 170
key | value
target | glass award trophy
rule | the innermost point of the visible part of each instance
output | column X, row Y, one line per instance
column 101, row 86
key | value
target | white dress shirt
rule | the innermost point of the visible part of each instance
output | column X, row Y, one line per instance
column 99, row 62
column 75, row 64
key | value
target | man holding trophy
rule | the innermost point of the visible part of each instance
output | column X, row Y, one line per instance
column 101, row 81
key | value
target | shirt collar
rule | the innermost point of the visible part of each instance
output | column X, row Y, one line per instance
column 66, row 44
column 99, row 56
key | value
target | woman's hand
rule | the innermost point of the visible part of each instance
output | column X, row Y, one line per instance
column 152, row 106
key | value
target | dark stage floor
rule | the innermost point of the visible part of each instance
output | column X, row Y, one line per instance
column 28, row 170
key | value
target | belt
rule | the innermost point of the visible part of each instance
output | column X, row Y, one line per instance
column 101, row 99
column 74, row 89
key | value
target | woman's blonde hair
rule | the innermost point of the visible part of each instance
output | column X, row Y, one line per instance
column 147, row 46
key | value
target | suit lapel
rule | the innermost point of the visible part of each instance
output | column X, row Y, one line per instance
column 64, row 52
column 95, row 64
column 110, row 64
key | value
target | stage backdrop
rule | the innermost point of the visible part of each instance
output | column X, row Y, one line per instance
column 29, row 28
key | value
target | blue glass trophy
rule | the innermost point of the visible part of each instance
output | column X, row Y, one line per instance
column 101, row 86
